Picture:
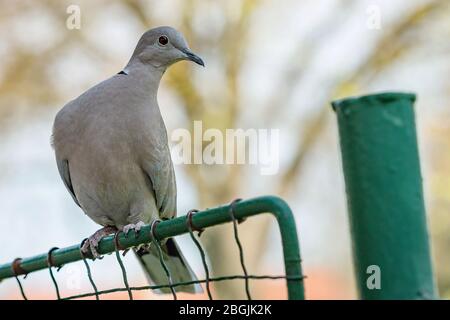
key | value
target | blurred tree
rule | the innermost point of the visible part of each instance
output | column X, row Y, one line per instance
column 26, row 74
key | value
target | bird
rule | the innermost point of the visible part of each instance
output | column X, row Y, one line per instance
column 112, row 153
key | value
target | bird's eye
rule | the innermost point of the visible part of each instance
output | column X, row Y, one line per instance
column 163, row 40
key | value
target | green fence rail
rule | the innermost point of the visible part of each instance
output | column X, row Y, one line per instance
column 178, row 226
column 384, row 194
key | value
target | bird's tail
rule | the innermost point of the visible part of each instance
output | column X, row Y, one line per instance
column 175, row 262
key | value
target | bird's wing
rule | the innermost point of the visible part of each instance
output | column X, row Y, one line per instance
column 161, row 176
column 63, row 168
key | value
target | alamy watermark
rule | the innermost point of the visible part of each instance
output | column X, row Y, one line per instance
column 373, row 21
column 373, row 281
column 73, row 21
column 234, row 146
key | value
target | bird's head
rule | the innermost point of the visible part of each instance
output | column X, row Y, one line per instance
column 162, row 47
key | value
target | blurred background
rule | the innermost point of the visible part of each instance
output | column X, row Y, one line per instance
column 269, row 64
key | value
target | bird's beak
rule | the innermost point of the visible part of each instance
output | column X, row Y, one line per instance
column 193, row 57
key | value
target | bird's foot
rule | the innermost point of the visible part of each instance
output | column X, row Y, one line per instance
column 135, row 227
column 91, row 243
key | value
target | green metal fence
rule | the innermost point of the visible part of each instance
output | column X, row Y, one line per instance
column 235, row 212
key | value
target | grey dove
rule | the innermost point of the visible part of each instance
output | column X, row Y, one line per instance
column 112, row 152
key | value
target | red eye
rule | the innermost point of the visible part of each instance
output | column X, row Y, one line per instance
column 163, row 40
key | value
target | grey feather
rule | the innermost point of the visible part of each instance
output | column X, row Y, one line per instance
column 63, row 168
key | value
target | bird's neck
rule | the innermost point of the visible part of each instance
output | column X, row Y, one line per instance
column 146, row 74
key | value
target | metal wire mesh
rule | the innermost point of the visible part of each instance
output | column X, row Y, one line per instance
column 292, row 279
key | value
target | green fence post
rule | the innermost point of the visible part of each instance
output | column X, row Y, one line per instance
column 384, row 194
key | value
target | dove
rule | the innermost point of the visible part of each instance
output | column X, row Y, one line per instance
column 112, row 153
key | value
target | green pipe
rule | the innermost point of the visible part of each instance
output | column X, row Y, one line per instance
column 385, row 198
column 177, row 226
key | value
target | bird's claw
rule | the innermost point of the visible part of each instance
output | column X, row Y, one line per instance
column 90, row 245
column 135, row 227
column 90, row 248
